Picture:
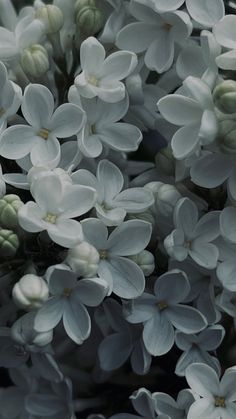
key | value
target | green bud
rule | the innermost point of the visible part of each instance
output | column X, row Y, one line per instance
column 9, row 243
column 34, row 60
column 9, row 206
column 51, row 16
column 89, row 19
column 224, row 96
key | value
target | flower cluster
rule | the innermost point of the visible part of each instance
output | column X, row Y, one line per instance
column 117, row 263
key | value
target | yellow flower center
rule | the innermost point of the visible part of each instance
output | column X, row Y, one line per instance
column 103, row 254
column 162, row 305
column 93, row 80
column 167, row 26
column 43, row 133
column 51, row 218
column 219, row 401
column 67, row 292
column 2, row 111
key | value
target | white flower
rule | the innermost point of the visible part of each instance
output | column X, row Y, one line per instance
column 113, row 203
column 161, row 5
column 28, row 31
column 217, row 397
column 225, row 36
column 192, row 237
column 101, row 76
column 54, row 208
column 194, row 111
column 10, row 97
column 206, row 12
column 124, row 277
column 178, row 409
column 163, row 311
column 40, row 137
column 155, row 33
column 30, row 292
column 67, row 302
column 102, row 128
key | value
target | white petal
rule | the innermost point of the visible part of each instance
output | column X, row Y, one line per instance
column 202, row 408
column 172, row 287
column 179, row 110
column 114, row 350
column 133, row 199
column 77, row 200
column 121, row 137
column 49, row 315
column 67, row 120
column 186, row 319
column 67, row 233
column 111, row 91
column 110, row 179
column 46, row 152
column 190, row 62
column 203, row 380
column 112, row 217
column 91, row 292
column 160, row 54
column 208, row 226
column 47, row 192
column 127, row 37
column 227, row 384
column 185, row 141
column 226, row 272
column 130, row 238
column 225, row 32
column 118, row 65
column 204, row 254
column 95, row 232
column 17, row 141
column 43, row 404
column 30, row 217
column 76, row 320
column 206, row 12
column 211, row 170
column 37, row 106
column 186, row 216
column 228, row 224
column 158, row 343
column 175, row 245
column 227, row 61
column 141, row 309
column 92, row 55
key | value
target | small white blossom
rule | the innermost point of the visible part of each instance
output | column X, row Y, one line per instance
column 30, row 292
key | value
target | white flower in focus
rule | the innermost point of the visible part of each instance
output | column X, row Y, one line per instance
column 113, row 203
column 155, row 34
column 217, row 397
column 194, row 111
column 124, row 276
column 101, row 76
column 54, row 208
column 103, row 127
column 192, row 237
column 67, row 302
column 225, row 36
column 40, row 137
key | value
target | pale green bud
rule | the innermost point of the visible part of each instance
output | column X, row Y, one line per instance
column 224, row 96
column 9, row 243
column 51, row 16
column 34, row 60
column 227, row 136
column 165, row 161
column 89, row 19
column 145, row 260
column 30, row 292
column 9, row 206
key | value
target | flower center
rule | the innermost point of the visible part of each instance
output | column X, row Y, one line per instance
column 43, row 133
column 188, row 244
column 219, row 401
column 103, row 254
column 93, row 80
column 162, row 305
column 67, row 292
column 167, row 26
column 50, row 218
column 92, row 130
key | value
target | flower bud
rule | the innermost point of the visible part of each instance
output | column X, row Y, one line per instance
column 34, row 60
column 30, row 292
column 224, row 96
column 83, row 259
column 9, row 206
column 51, row 16
column 145, row 260
column 166, row 197
column 89, row 19
column 145, row 216
column 165, row 161
column 23, row 332
column 227, row 136
column 9, row 243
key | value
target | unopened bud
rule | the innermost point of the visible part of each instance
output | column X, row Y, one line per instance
column 51, row 16
column 23, row 332
column 30, row 292
column 166, row 196
column 9, row 206
column 83, row 259
column 224, row 96
column 145, row 260
column 89, row 19
column 165, row 161
column 227, row 136
column 9, row 243
column 34, row 60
